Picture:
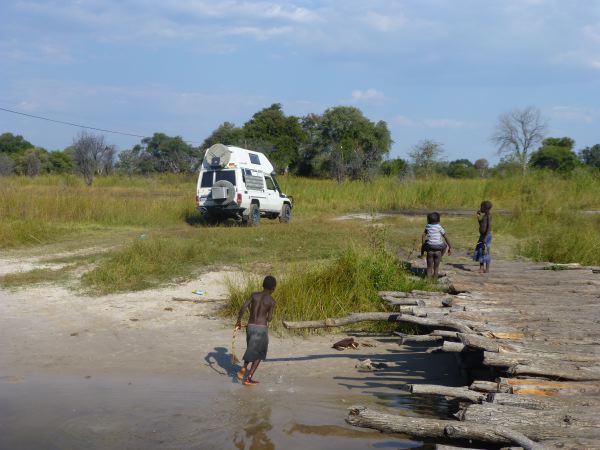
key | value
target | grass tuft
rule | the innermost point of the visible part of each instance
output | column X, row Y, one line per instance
column 349, row 283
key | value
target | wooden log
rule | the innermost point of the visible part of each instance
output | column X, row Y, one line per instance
column 484, row 386
column 518, row 438
column 338, row 322
column 453, row 347
column 536, row 386
column 558, row 371
column 543, row 403
column 403, row 301
column 480, row 342
column 410, row 338
column 446, row 322
column 360, row 416
column 538, row 424
column 429, row 311
column 508, row 359
column 463, row 393
column 445, row 333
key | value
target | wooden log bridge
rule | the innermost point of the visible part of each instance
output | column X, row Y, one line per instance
column 528, row 338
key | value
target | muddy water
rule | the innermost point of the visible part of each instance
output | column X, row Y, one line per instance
column 107, row 412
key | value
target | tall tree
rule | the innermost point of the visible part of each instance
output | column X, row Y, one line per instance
column 7, row 165
column 226, row 133
column 90, row 154
column 555, row 154
column 170, row 154
column 426, row 156
column 590, row 156
column 518, row 132
column 10, row 143
column 355, row 145
column 482, row 166
column 270, row 131
column 461, row 168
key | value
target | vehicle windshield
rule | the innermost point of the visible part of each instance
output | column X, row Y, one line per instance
column 212, row 176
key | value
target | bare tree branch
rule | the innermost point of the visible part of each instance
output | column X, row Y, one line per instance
column 517, row 132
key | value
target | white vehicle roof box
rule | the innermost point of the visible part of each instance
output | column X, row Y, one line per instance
column 221, row 156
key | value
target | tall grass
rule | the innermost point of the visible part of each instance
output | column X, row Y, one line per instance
column 545, row 220
column 348, row 283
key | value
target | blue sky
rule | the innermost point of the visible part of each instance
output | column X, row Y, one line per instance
column 432, row 69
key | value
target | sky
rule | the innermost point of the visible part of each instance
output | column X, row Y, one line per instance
column 432, row 69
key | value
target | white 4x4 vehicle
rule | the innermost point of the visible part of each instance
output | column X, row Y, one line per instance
column 240, row 184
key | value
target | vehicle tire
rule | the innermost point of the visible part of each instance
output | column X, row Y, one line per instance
column 286, row 214
column 253, row 219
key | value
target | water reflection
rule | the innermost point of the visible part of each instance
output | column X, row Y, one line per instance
column 255, row 434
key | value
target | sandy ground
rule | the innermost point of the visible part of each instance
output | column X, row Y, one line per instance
column 140, row 370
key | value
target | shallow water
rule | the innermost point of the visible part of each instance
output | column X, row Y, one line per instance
column 167, row 412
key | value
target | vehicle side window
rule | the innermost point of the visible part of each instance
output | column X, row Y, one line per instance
column 227, row 175
column 207, row 179
column 270, row 184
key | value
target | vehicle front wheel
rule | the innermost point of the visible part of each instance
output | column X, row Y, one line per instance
column 286, row 214
column 253, row 219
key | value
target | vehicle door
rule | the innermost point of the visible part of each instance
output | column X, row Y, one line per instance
column 272, row 201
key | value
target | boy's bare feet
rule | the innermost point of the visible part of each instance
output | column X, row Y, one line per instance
column 241, row 373
column 250, row 382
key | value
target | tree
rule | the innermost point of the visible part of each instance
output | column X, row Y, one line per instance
column 7, row 165
column 271, row 132
column 518, row 132
column 393, row 167
column 33, row 164
column 461, row 168
column 226, row 133
column 482, row 166
column 590, row 156
column 555, row 154
column 425, row 157
column 169, row 154
column 11, row 144
column 91, row 155
column 59, row 162
column 354, row 145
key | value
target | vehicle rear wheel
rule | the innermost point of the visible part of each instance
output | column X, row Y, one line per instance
column 286, row 214
column 253, row 219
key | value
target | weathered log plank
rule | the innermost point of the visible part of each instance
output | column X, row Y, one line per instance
column 409, row 338
column 538, row 424
column 544, row 402
column 480, row 342
column 509, row 359
column 484, row 386
column 360, row 416
column 559, row 371
column 536, row 386
column 463, row 393
column 453, row 347
column 441, row 322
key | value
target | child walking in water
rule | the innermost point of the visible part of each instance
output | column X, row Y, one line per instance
column 434, row 242
column 482, row 249
column 261, row 306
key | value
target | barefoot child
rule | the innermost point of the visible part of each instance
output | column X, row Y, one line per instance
column 261, row 306
column 434, row 243
column 482, row 249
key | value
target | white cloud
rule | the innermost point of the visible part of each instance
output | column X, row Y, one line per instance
column 574, row 114
column 407, row 122
column 367, row 95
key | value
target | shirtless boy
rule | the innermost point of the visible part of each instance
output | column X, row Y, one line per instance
column 261, row 306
